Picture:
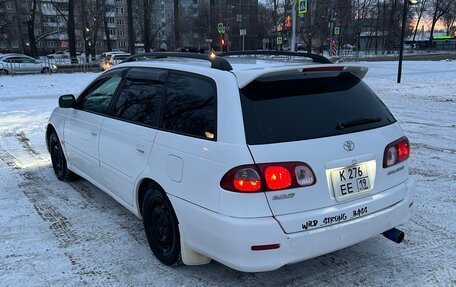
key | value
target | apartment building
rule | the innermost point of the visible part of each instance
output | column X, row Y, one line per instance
column 106, row 23
column 202, row 18
column 12, row 25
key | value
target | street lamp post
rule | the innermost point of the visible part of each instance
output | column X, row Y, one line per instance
column 401, row 48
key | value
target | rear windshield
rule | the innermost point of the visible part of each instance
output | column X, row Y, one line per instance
column 304, row 107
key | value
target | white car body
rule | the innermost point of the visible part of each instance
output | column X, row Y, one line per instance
column 119, row 157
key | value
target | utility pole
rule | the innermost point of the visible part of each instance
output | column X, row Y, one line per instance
column 401, row 48
column 331, row 30
column 293, row 26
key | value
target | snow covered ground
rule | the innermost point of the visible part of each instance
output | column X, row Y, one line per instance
column 54, row 233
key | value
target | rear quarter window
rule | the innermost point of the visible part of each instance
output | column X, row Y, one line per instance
column 190, row 105
column 304, row 107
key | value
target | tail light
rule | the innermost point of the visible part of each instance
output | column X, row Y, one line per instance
column 396, row 152
column 247, row 180
column 110, row 63
column 268, row 177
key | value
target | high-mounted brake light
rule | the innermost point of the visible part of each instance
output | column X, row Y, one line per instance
column 323, row 69
column 396, row 152
column 268, row 177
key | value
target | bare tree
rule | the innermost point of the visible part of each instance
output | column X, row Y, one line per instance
column 176, row 23
column 419, row 10
column 146, row 11
column 449, row 18
column 69, row 19
column 106, row 9
column 19, row 22
column 131, row 32
column 31, row 29
column 438, row 9
column 3, row 25
column 158, row 30
column 89, row 15
column 266, row 23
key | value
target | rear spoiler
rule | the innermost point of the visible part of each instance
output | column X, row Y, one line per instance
column 245, row 77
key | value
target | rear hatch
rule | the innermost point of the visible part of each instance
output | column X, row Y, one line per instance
column 334, row 123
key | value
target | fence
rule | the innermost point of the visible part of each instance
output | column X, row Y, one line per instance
column 80, row 64
column 17, row 65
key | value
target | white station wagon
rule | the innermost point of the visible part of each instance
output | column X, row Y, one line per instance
column 242, row 158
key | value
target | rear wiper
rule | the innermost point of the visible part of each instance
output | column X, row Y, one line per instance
column 357, row 122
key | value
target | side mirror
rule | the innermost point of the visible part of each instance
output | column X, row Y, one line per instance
column 67, row 101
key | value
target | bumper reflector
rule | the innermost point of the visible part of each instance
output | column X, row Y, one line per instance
column 265, row 247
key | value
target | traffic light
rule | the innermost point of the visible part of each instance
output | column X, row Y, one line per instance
column 223, row 44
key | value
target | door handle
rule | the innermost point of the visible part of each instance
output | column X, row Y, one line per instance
column 93, row 133
column 140, row 150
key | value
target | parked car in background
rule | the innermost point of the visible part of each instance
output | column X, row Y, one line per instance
column 107, row 54
column 62, row 55
column 23, row 64
column 58, row 55
column 77, row 53
column 114, row 59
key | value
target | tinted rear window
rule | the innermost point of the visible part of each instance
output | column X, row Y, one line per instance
column 190, row 105
column 305, row 108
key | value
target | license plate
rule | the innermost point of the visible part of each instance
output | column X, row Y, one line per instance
column 350, row 181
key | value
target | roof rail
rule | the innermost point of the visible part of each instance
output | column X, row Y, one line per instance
column 314, row 57
column 216, row 62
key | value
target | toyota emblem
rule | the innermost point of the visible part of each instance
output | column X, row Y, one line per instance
column 349, row 145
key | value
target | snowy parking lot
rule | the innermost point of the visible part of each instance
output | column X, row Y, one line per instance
column 54, row 233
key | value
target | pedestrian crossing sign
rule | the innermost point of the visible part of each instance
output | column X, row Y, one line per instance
column 302, row 6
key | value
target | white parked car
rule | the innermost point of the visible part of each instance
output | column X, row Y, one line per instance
column 253, row 163
column 23, row 64
column 104, row 55
column 59, row 55
column 114, row 59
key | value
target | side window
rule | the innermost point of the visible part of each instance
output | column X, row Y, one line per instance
column 98, row 97
column 141, row 95
column 190, row 105
column 27, row 60
column 12, row 60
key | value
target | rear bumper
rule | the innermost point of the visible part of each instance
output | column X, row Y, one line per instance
column 229, row 240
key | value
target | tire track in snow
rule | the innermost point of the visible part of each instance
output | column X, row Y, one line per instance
column 25, row 142
column 36, row 190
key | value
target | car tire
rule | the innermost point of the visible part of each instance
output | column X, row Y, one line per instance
column 46, row 70
column 161, row 226
column 59, row 163
column 3, row 72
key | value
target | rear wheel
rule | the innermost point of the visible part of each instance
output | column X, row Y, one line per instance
column 161, row 226
column 46, row 70
column 3, row 72
column 59, row 163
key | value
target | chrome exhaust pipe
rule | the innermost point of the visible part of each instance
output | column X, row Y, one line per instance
column 395, row 235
